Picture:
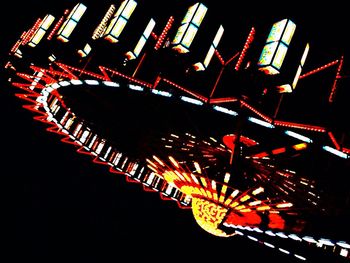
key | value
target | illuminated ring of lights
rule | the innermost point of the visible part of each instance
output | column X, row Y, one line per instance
column 53, row 90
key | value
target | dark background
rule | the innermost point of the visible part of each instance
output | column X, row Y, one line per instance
column 59, row 206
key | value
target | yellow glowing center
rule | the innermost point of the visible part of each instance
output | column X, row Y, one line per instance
column 209, row 215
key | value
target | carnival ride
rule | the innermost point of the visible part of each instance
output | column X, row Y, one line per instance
column 225, row 136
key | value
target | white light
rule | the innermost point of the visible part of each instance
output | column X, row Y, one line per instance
column 336, row 152
column 91, row 82
column 344, row 252
column 326, row 242
column 55, row 85
column 135, row 87
column 343, row 244
column 260, row 122
column 309, row 239
column 269, row 245
column 280, row 234
column 284, row 251
column 252, row 238
column 239, row 233
column 298, row 136
column 270, row 233
column 161, row 93
column 294, row 237
column 64, row 83
column 111, row 84
column 190, row 100
column 258, row 230
column 225, row 110
column 76, row 82
column 300, row 257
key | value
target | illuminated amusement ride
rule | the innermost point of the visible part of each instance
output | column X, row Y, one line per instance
column 220, row 128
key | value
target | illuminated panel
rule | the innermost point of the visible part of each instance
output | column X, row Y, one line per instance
column 119, row 21
column 199, row 66
column 41, row 31
column 103, row 24
column 85, row 51
column 142, row 41
column 276, row 47
column 189, row 27
column 290, row 87
column 71, row 22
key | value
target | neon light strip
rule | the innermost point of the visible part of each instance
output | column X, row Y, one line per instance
column 260, row 122
column 318, row 69
column 164, row 33
column 222, row 100
column 336, row 152
column 267, row 119
column 246, row 46
column 334, row 141
column 200, row 97
column 299, row 126
column 218, row 55
column 298, row 136
column 337, row 76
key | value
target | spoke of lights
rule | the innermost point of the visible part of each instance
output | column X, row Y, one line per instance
column 298, row 136
column 98, row 32
column 71, row 22
column 194, row 94
column 222, row 100
column 334, row 141
column 57, row 25
column 319, row 69
column 264, row 117
column 30, row 33
column 246, row 46
column 337, row 76
column 335, row 152
column 299, row 126
column 164, row 33
column 218, row 55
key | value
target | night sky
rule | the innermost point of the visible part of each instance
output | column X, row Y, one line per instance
column 58, row 205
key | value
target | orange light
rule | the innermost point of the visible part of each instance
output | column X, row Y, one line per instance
column 245, row 198
column 258, row 191
column 158, row 160
column 174, row 162
column 300, row 146
column 284, row 205
column 262, row 208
